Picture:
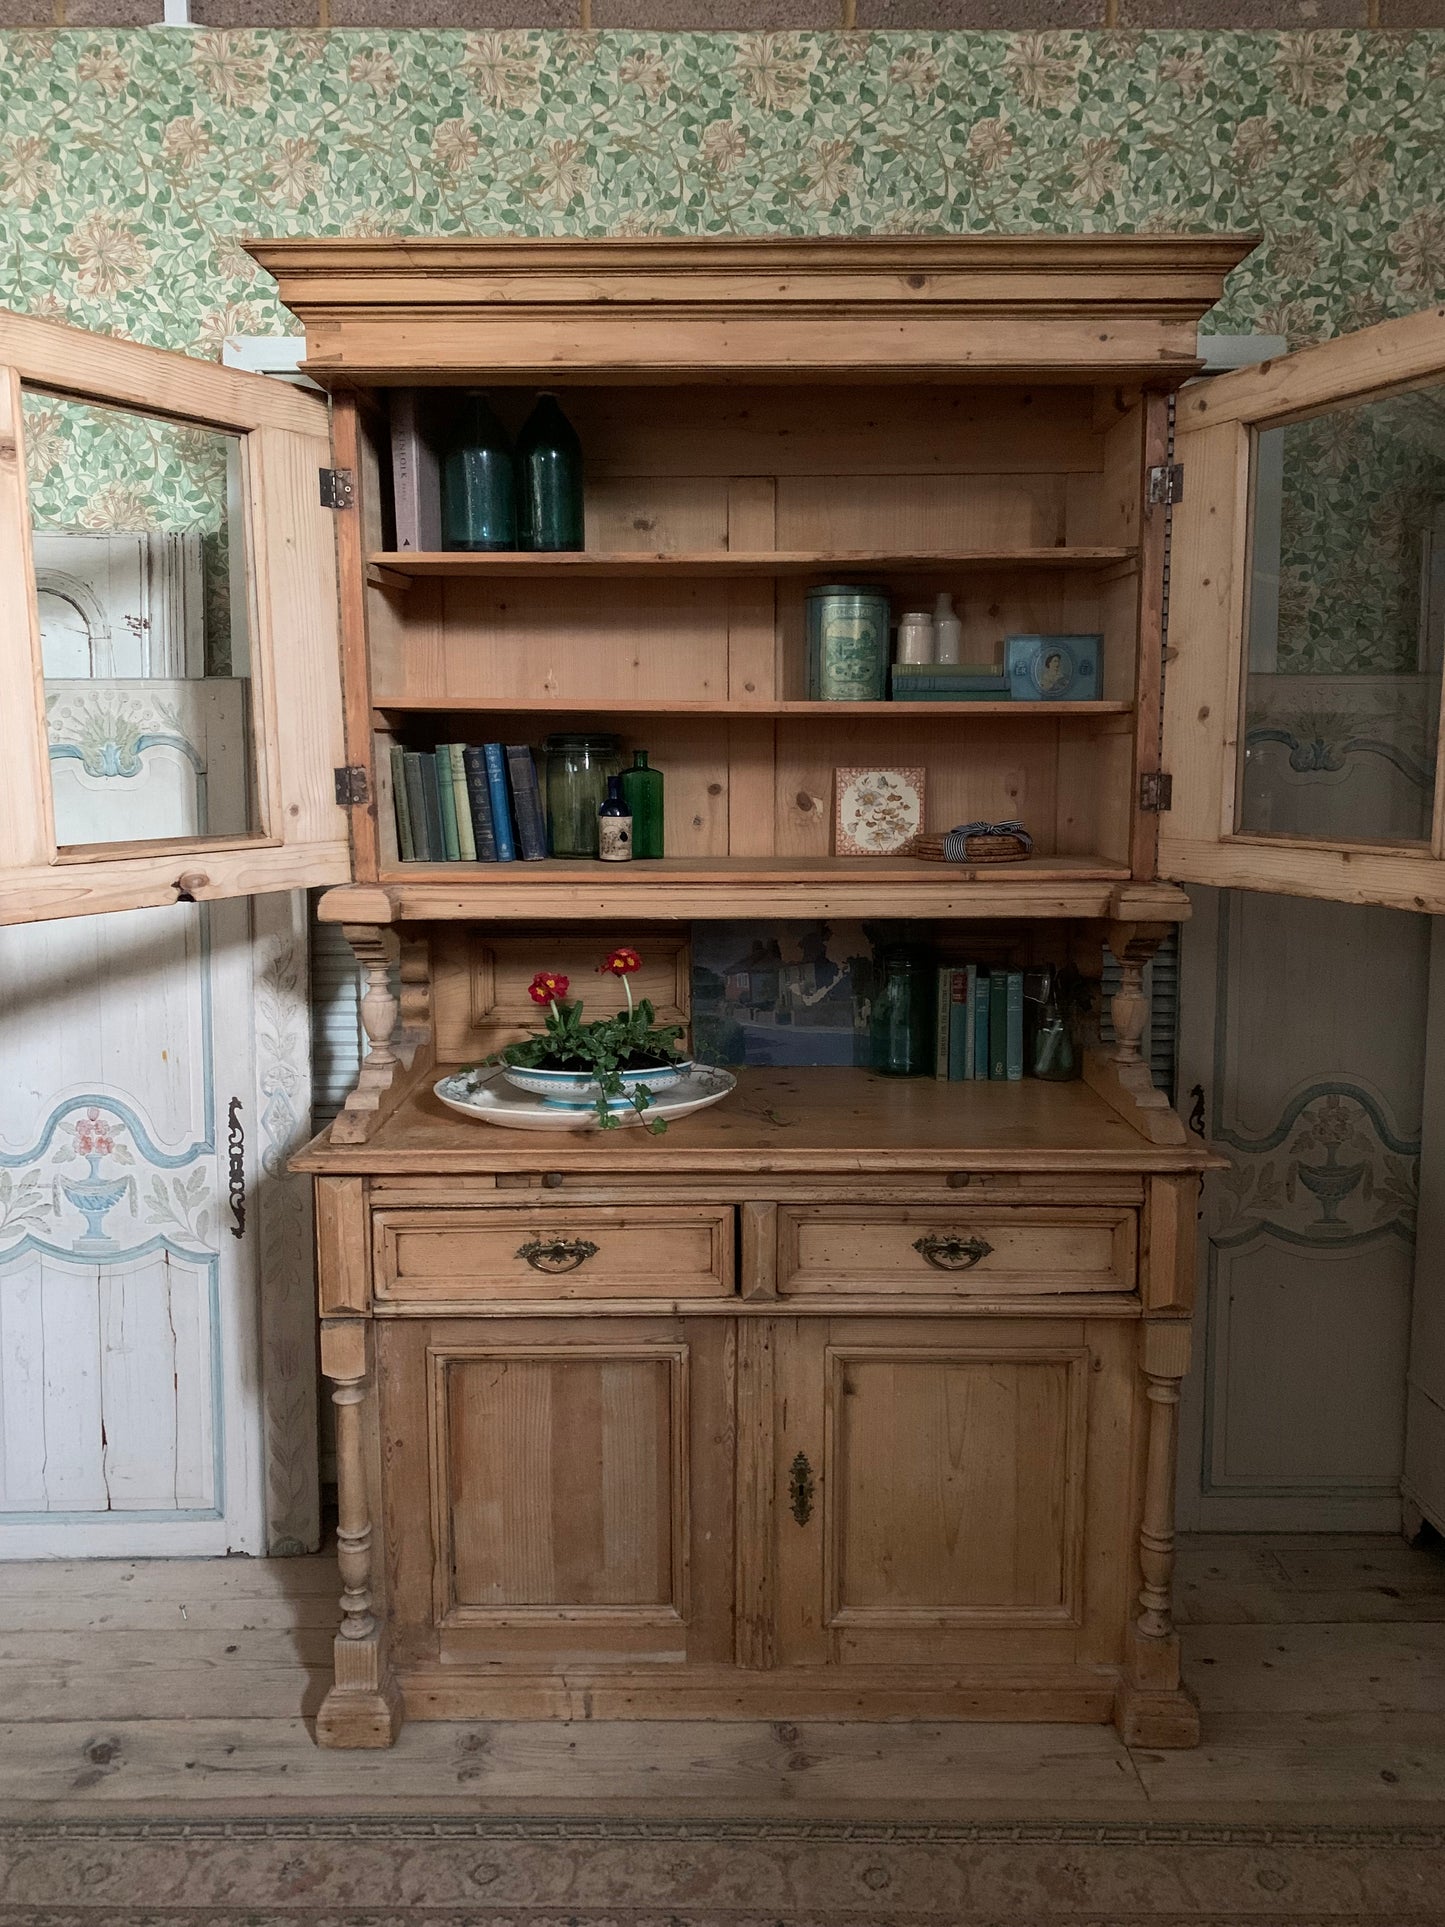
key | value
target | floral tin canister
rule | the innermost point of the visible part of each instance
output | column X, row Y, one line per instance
column 847, row 644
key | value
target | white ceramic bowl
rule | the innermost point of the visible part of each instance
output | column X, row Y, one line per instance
column 575, row 1090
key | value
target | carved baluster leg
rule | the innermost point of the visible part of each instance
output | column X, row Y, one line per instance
column 363, row 1707
column 375, row 949
column 1153, row 1708
column 1121, row 1076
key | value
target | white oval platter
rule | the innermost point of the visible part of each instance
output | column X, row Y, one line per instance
column 482, row 1094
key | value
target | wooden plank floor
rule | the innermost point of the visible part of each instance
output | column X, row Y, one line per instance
column 181, row 1685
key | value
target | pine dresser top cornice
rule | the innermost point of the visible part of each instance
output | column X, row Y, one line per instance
column 674, row 308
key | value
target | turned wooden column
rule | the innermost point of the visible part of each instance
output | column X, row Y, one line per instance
column 363, row 1707
column 376, row 952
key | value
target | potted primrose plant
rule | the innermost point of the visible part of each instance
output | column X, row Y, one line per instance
column 610, row 1064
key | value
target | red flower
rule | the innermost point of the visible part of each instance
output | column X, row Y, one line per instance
column 621, row 962
column 547, row 988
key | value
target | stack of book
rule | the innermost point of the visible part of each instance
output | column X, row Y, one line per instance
column 949, row 682
column 980, row 1023
column 467, row 803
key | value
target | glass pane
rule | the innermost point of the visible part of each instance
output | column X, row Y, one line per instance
column 140, row 577
column 1345, row 621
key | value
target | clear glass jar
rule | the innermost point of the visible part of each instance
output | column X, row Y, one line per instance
column 578, row 767
column 903, row 1017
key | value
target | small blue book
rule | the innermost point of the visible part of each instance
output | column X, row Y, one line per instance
column 980, row 1025
column 1014, row 1027
column 501, row 803
column 479, row 798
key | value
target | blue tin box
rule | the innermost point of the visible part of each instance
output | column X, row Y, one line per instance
column 1053, row 669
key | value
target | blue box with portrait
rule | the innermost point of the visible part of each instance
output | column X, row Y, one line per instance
column 1053, row 669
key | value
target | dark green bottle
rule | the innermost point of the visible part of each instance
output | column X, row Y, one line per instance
column 642, row 791
column 478, row 496
column 549, row 480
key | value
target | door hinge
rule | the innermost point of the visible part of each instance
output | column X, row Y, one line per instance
column 338, row 488
column 1166, row 484
column 1156, row 791
column 351, row 784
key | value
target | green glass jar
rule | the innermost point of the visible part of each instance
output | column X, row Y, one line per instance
column 549, row 480
column 903, row 1017
column 578, row 767
column 642, row 788
column 478, row 498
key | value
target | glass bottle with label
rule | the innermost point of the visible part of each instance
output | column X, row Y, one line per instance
column 614, row 826
column 642, row 792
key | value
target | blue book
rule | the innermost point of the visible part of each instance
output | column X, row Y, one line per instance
column 1014, row 1027
column 479, row 797
column 980, row 1025
column 526, row 803
column 501, row 804
column 998, row 1024
column 960, row 1028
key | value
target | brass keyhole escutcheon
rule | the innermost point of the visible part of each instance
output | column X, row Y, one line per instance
column 952, row 1253
column 557, row 1254
column 800, row 1489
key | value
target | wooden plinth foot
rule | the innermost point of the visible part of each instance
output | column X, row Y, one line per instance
column 1145, row 1716
column 349, row 1718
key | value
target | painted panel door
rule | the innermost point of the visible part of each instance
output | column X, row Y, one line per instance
column 205, row 482
column 580, row 1488
column 1307, row 624
column 936, row 1484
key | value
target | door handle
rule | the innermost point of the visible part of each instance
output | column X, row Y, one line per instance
column 557, row 1254
column 952, row 1253
column 800, row 1489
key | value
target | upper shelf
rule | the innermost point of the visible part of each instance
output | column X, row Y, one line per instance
column 404, row 566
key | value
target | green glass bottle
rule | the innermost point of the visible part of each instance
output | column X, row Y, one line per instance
column 642, row 791
column 478, row 494
column 549, row 480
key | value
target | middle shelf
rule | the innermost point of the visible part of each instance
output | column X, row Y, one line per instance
column 556, row 705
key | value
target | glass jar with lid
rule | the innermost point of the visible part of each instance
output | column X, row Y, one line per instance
column 578, row 766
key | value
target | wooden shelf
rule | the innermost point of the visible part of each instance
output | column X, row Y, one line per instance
column 398, row 568
column 387, row 706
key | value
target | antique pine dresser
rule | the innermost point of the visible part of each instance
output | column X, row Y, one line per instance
column 851, row 1397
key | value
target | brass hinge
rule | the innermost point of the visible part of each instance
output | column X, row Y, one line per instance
column 351, row 784
column 338, row 488
column 1166, row 484
column 1156, row 791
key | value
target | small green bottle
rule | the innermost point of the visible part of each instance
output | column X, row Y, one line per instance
column 642, row 790
column 549, row 480
column 478, row 498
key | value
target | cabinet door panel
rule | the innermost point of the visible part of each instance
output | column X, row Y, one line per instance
column 201, row 740
column 1307, row 623
column 966, row 1493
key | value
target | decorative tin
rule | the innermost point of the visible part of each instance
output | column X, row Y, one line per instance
column 1053, row 669
column 847, row 644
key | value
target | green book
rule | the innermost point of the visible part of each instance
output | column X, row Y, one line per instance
column 418, row 801
column 1014, row 1033
column 461, row 804
column 447, row 803
column 998, row 1024
column 960, row 1041
column 980, row 1025
column 941, row 1033
column 405, row 842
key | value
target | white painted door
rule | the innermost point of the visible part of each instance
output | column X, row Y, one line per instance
column 157, row 1377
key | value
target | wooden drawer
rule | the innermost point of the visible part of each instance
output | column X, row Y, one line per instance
column 944, row 1250
column 589, row 1251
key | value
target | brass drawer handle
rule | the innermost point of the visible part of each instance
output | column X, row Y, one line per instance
column 800, row 1489
column 557, row 1254
column 952, row 1254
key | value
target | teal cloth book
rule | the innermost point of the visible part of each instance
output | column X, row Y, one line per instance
column 980, row 1025
column 998, row 1024
column 960, row 1029
column 1014, row 1027
column 461, row 805
column 479, row 795
column 447, row 800
column 405, row 843
column 501, row 802
column 943, row 1009
column 431, row 805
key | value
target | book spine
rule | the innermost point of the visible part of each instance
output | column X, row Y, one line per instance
column 998, row 1024
column 416, row 805
column 461, row 805
column 501, row 807
column 960, row 1025
column 415, row 474
column 1014, row 1051
column 401, row 803
column 980, row 1025
column 436, row 846
column 526, row 803
column 941, row 1032
column 446, row 797
column 479, row 795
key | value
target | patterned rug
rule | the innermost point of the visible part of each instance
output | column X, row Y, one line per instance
column 464, row 1872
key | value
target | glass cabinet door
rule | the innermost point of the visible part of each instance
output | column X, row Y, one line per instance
column 1307, row 615
column 168, row 613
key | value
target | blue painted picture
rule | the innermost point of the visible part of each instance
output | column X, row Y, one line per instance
column 794, row 993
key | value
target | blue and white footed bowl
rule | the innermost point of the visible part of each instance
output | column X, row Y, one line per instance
column 577, row 1091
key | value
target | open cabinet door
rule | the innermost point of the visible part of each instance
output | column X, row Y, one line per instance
column 1307, row 621
column 190, row 751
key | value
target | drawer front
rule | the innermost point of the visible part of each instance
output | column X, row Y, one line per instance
column 938, row 1250
column 593, row 1251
